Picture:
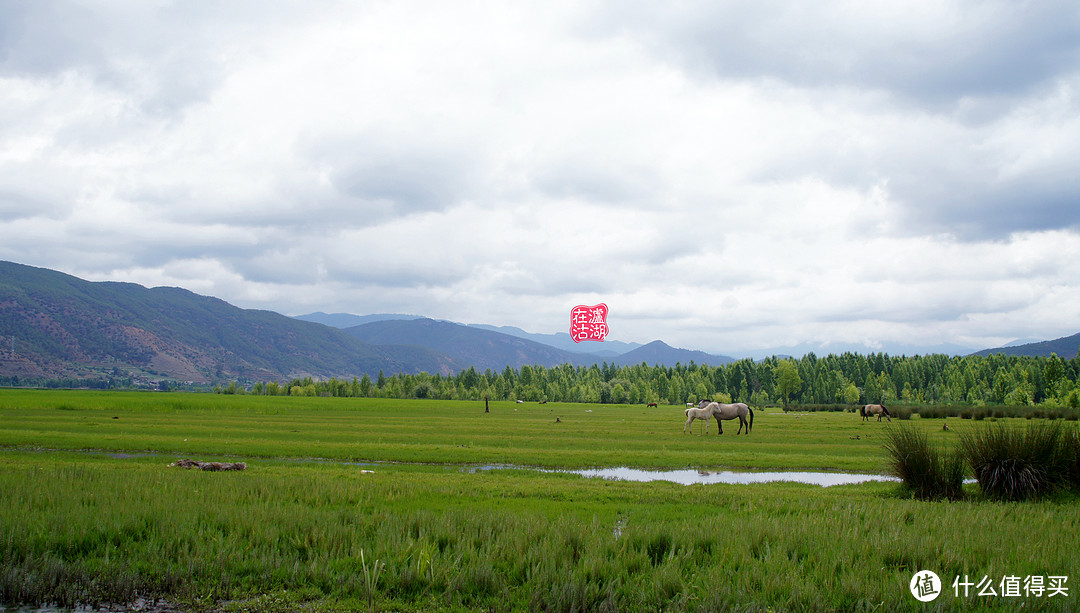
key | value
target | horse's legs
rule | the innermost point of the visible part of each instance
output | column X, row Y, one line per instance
column 742, row 422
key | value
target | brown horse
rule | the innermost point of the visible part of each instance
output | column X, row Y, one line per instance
column 721, row 411
column 875, row 409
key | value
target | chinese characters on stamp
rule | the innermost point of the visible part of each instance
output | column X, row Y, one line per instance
column 588, row 323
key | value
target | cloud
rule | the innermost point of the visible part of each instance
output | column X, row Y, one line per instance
column 927, row 53
column 724, row 176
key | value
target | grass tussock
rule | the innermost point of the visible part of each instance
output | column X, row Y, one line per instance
column 1007, row 461
column 928, row 473
column 1072, row 466
column 1021, row 464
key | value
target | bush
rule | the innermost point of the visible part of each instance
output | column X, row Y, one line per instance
column 1014, row 464
column 901, row 412
column 937, row 412
column 996, row 411
column 926, row 473
column 815, row 407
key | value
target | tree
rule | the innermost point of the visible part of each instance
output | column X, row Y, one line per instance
column 788, row 381
column 423, row 390
column 885, row 384
column 851, row 393
column 1054, row 373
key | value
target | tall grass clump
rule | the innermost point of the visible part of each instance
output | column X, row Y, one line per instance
column 901, row 412
column 1021, row 464
column 928, row 474
column 1072, row 447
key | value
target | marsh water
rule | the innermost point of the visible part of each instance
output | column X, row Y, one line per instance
column 690, row 476
column 705, row 477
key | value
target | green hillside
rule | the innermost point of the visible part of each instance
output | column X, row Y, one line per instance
column 1065, row 347
column 56, row 325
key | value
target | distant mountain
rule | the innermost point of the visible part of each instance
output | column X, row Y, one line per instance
column 1066, row 347
column 54, row 325
column 1022, row 341
column 348, row 320
column 562, row 340
column 822, row 349
column 658, row 352
column 470, row 345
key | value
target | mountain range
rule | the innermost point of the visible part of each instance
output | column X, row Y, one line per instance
column 559, row 340
column 1065, row 347
column 56, row 326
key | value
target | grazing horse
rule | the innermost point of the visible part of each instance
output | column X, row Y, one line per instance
column 651, row 404
column 697, row 413
column 722, row 411
column 875, row 409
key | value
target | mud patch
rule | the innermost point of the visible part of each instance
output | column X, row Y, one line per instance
column 210, row 466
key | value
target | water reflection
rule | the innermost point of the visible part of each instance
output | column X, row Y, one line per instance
column 690, row 477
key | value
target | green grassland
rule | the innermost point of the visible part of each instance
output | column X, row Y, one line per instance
column 430, row 431
column 91, row 513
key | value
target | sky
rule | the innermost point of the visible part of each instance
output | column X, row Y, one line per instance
column 725, row 176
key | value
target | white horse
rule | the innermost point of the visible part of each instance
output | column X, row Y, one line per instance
column 735, row 410
column 698, row 413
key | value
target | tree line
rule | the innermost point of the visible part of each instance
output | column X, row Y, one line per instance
column 847, row 379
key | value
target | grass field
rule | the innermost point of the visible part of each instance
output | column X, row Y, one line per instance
column 91, row 512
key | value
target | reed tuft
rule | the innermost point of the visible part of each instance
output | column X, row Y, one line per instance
column 927, row 473
column 1015, row 464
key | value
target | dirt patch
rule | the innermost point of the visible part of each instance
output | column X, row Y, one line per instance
column 210, row 466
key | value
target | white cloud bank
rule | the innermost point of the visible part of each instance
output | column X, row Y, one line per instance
column 725, row 177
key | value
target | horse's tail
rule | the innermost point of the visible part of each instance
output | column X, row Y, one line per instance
column 751, row 424
column 686, row 412
column 862, row 411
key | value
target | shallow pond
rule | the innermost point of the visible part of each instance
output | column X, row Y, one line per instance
column 699, row 476
column 690, row 477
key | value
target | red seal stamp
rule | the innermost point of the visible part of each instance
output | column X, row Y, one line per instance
column 588, row 323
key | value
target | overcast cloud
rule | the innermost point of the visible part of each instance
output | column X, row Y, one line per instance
column 725, row 176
